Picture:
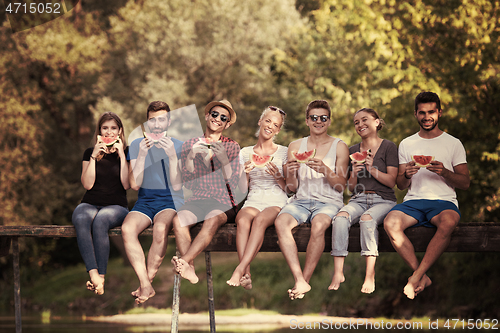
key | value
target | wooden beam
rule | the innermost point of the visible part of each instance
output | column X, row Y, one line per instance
column 467, row 237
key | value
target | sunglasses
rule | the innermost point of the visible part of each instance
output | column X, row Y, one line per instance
column 215, row 114
column 315, row 118
column 277, row 109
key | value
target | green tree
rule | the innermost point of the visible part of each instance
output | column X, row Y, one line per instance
column 193, row 53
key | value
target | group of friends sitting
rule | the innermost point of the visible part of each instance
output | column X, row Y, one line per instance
column 285, row 191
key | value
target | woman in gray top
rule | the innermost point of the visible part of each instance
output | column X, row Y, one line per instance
column 371, row 183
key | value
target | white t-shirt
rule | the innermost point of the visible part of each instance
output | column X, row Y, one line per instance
column 426, row 184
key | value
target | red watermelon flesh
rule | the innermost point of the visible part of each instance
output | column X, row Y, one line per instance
column 206, row 142
column 260, row 161
column 155, row 137
column 422, row 161
column 305, row 156
column 360, row 157
column 108, row 140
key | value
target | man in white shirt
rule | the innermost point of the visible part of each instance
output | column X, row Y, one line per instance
column 431, row 199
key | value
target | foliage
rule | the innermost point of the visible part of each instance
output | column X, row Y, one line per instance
column 119, row 55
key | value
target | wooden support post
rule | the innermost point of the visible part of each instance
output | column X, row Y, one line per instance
column 17, row 284
column 176, row 302
column 210, row 287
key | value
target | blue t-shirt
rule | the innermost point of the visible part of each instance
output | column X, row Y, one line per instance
column 156, row 182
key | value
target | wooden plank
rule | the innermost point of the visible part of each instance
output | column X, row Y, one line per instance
column 467, row 237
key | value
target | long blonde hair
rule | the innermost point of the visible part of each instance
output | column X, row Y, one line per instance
column 102, row 119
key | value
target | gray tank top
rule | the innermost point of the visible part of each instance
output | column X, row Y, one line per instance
column 314, row 185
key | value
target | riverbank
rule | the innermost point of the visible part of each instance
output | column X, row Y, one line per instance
column 246, row 320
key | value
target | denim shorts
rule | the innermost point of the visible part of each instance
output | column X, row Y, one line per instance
column 303, row 211
column 368, row 204
column 424, row 210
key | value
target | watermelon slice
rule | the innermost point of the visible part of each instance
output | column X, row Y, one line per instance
column 422, row 161
column 305, row 156
column 108, row 140
column 360, row 157
column 206, row 142
column 155, row 137
column 260, row 161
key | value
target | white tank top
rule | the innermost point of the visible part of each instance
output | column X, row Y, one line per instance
column 314, row 185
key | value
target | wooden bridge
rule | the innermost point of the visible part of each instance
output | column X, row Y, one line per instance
column 467, row 237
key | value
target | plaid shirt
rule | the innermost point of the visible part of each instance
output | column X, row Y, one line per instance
column 208, row 182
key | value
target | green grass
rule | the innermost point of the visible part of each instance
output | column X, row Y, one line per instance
column 463, row 285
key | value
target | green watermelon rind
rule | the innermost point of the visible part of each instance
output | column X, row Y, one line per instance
column 302, row 157
column 354, row 159
column 421, row 164
column 148, row 135
column 262, row 164
column 109, row 144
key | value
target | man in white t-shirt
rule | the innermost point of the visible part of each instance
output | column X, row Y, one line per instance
column 431, row 199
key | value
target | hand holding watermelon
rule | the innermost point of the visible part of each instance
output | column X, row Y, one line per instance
column 437, row 167
column 220, row 152
column 167, row 145
column 317, row 165
column 118, row 146
column 248, row 166
column 273, row 170
column 411, row 169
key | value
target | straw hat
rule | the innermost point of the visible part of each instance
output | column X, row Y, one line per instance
column 225, row 104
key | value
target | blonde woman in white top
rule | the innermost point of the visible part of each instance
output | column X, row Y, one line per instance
column 266, row 193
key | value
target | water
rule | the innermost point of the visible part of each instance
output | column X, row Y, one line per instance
column 77, row 325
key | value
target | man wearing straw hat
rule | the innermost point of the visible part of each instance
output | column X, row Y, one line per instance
column 210, row 169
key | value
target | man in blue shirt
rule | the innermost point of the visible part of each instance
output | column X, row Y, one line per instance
column 155, row 174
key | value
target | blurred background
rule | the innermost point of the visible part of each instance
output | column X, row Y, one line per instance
column 56, row 78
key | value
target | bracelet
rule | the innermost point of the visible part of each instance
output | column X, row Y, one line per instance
column 405, row 176
column 91, row 156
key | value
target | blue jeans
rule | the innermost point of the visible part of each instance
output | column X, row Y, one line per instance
column 360, row 204
column 92, row 224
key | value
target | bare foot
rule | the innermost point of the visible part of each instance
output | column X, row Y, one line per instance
column 186, row 271
column 368, row 286
column 425, row 281
column 299, row 290
column 96, row 285
column 414, row 286
column 135, row 292
column 235, row 279
column 175, row 262
column 144, row 294
column 337, row 279
column 246, row 281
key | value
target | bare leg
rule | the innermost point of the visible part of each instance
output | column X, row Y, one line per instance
column 261, row 222
column 213, row 221
column 133, row 225
column 161, row 227
column 338, row 274
column 284, row 224
column 316, row 244
column 446, row 222
column 183, row 240
column 244, row 221
column 369, row 284
column 395, row 224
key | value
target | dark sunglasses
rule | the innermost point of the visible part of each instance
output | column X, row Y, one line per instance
column 277, row 109
column 215, row 114
column 315, row 118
